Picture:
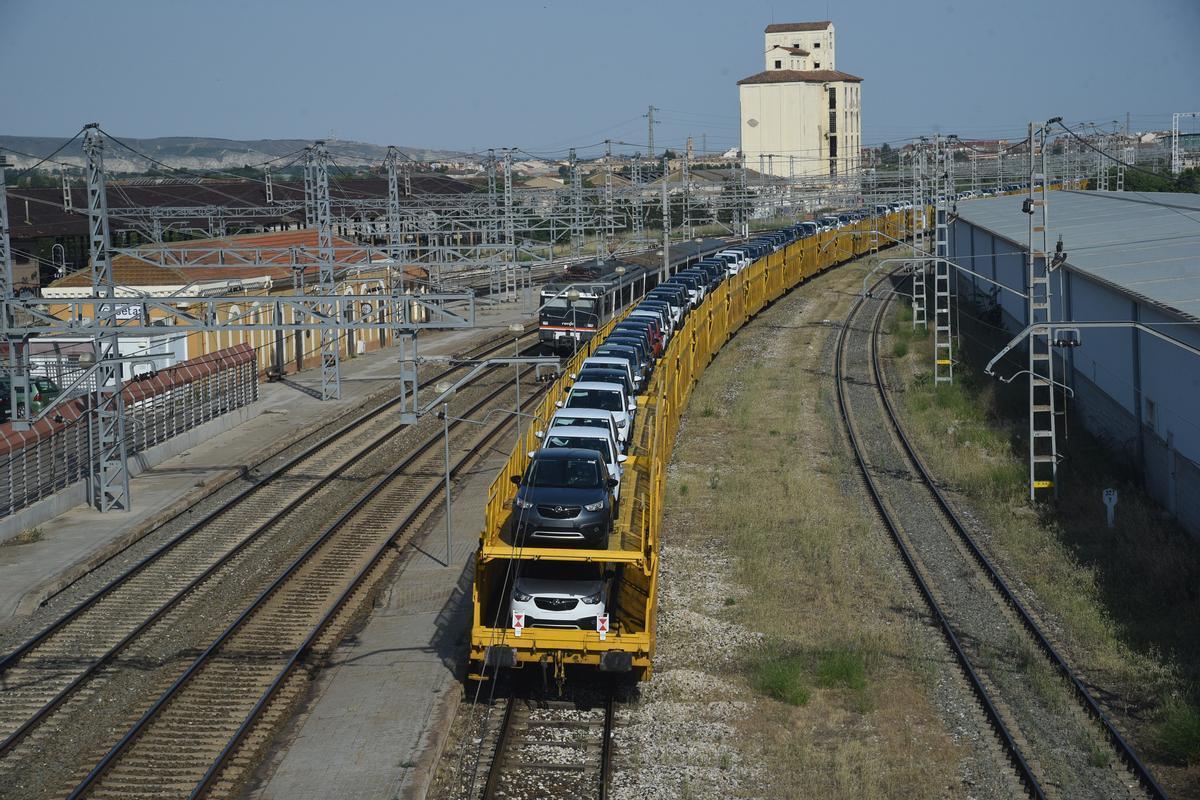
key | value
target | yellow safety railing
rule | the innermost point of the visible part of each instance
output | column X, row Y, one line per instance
column 660, row 408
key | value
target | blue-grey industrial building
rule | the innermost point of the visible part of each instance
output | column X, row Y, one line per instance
column 1130, row 257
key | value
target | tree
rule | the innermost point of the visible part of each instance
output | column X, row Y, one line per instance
column 1188, row 180
column 669, row 154
column 887, row 156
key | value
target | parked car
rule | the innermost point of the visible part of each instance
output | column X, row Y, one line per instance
column 628, row 348
column 585, row 418
column 604, row 397
column 615, row 376
column 636, row 338
column 602, row 361
column 583, row 437
column 25, row 406
column 564, row 497
column 559, row 594
column 649, row 328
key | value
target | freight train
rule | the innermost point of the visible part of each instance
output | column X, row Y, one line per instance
column 565, row 575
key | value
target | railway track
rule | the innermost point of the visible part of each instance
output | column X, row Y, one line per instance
column 202, row 736
column 547, row 749
column 66, row 666
column 1058, row 739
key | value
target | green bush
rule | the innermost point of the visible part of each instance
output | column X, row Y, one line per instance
column 1178, row 735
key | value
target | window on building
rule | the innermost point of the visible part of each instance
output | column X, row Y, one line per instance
column 1151, row 414
column 816, row 44
column 796, row 44
column 778, row 64
column 816, row 65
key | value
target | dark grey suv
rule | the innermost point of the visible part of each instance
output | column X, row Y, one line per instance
column 565, row 498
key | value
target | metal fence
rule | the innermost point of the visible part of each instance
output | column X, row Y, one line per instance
column 55, row 453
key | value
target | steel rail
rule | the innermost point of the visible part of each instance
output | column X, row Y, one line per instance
column 1024, row 771
column 12, row 658
column 1124, row 749
column 205, row 657
column 603, row 778
column 496, row 768
column 610, row 699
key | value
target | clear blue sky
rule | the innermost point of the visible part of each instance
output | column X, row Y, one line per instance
column 548, row 74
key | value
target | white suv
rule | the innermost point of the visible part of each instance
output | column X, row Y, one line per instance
column 559, row 594
column 608, row 397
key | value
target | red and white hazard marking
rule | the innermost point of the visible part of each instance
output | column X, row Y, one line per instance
column 602, row 625
column 518, row 622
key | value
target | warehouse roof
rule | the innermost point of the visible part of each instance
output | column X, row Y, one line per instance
column 1146, row 244
column 800, row 76
column 788, row 27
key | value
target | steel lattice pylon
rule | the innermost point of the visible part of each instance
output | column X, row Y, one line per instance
column 920, row 297
column 110, row 473
column 331, row 372
column 943, row 349
column 1043, row 441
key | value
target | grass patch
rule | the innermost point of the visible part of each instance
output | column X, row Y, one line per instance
column 900, row 348
column 1178, row 734
column 842, row 668
column 27, row 536
column 782, row 678
column 1099, row 757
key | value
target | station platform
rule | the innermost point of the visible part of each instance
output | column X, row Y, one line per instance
column 71, row 543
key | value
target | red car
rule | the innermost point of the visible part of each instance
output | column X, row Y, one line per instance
column 649, row 329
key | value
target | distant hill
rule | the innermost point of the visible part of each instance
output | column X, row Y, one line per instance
column 200, row 153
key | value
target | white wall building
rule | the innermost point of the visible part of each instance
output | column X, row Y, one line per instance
column 800, row 115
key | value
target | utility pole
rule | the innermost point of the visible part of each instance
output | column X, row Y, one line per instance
column 331, row 384
column 686, row 178
column 110, row 474
column 6, row 265
column 1043, row 444
column 395, row 234
column 490, row 229
column 635, row 176
column 666, row 225
column 576, row 205
column 918, row 235
column 609, row 217
column 510, row 225
column 649, row 116
column 943, row 351
column 743, row 198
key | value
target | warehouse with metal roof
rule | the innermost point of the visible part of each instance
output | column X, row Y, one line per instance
column 1130, row 257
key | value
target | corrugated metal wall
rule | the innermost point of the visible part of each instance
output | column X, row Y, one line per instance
column 1135, row 391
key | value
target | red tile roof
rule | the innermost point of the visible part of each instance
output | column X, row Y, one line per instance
column 788, row 27
column 800, row 76
column 276, row 260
